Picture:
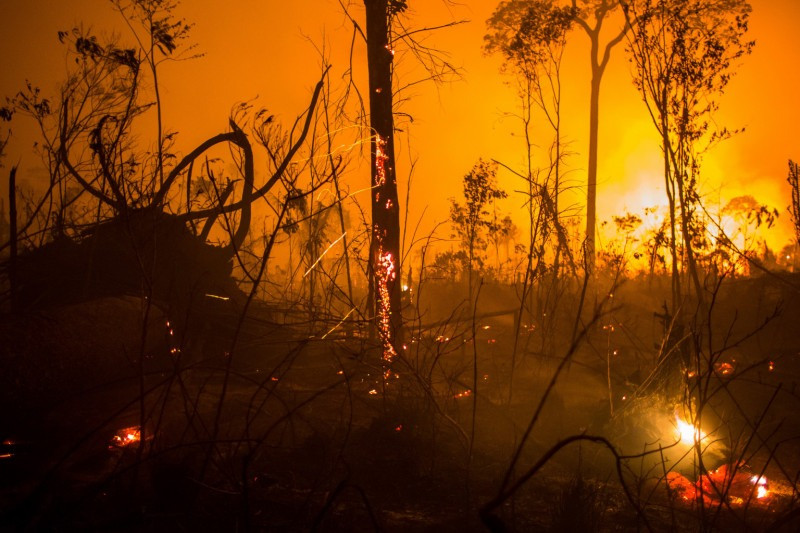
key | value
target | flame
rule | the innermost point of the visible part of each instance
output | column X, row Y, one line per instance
column 724, row 368
column 762, row 490
column 688, row 433
column 742, row 487
column 464, row 394
column 126, row 436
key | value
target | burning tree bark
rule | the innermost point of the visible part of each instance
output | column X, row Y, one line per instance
column 385, row 246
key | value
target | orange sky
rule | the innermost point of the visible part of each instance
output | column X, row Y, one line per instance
column 257, row 47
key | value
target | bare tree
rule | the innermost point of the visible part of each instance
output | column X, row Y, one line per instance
column 599, row 57
column 684, row 53
column 530, row 36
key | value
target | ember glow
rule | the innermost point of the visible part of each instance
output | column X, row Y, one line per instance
column 385, row 275
column 126, row 436
column 380, row 166
column 8, row 443
column 739, row 486
column 724, row 368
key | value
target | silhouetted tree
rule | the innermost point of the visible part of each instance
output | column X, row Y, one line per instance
column 530, row 36
column 599, row 57
column 684, row 52
column 473, row 222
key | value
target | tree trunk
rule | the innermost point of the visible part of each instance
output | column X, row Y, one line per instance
column 591, row 180
column 385, row 245
column 12, row 237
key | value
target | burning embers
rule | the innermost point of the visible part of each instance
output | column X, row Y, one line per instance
column 6, row 449
column 386, row 268
column 734, row 486
column 126, row 437
column 386, row 274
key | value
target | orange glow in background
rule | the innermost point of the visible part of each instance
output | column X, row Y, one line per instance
column 269, row 50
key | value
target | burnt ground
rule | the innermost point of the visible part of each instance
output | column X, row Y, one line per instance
column 288, row 431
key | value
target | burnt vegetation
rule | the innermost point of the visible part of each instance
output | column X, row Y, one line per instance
column 228, row 339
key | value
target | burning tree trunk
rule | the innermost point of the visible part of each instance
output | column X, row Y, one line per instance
column 385, row 246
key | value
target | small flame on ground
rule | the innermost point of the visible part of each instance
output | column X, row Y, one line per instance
column 126, row 437
column 725, row 369
column 771, row 366
column 464, row 394
column 373, row 392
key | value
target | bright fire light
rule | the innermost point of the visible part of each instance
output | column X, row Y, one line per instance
column 761, row 486
column 126, row 437
column 688, row 433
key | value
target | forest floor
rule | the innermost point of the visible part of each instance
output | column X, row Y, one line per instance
column 295, row 431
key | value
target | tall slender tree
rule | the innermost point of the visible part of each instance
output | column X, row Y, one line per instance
column 385, row 246
column 599, row 57
column 684, row 53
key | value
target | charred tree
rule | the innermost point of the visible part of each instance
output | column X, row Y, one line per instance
column 385, row 244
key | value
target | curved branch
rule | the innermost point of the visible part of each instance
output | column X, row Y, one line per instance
column 64, row 156
column 231, row 137
column 493, row 522
column 249, row 195
column 264, row 189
